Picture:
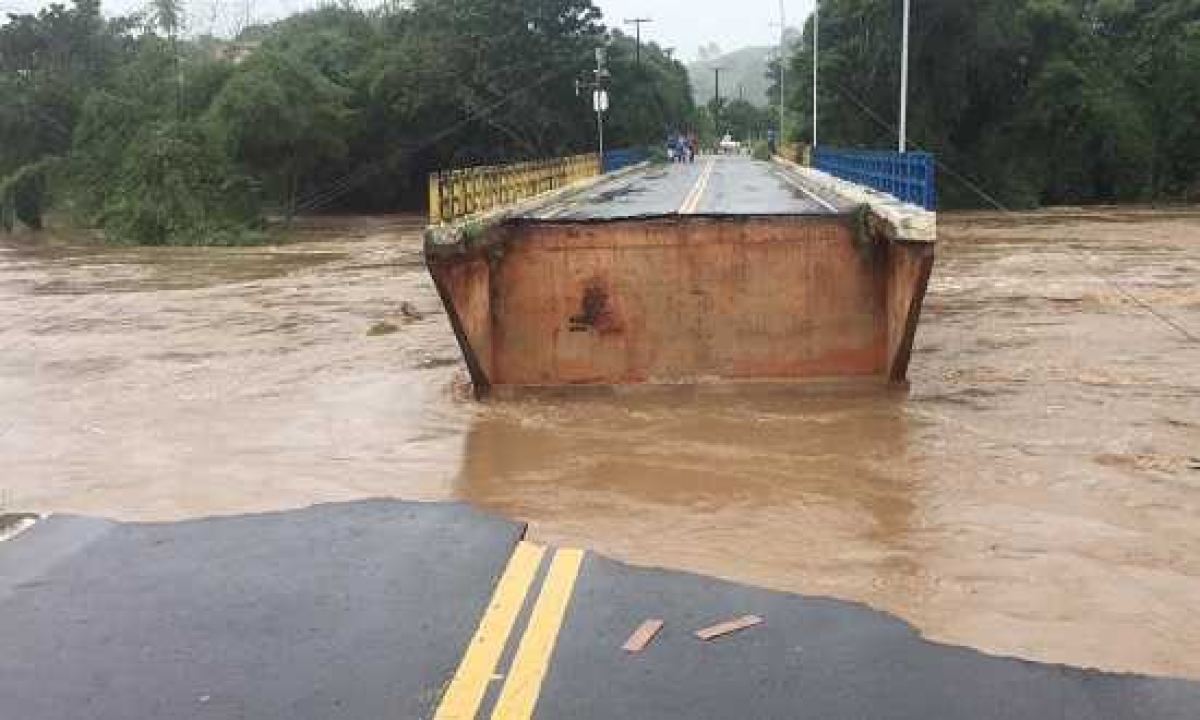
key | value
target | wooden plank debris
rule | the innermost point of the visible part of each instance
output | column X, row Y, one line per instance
column 642, row 636
column 730, row 626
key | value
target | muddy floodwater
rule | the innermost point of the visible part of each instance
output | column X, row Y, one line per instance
column 1036, row 493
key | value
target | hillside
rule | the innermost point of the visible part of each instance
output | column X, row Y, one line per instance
column 745, row 69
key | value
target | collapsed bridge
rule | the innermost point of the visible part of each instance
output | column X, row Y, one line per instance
column 720, row 271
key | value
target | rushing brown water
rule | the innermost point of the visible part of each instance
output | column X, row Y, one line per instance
column 1036, row 494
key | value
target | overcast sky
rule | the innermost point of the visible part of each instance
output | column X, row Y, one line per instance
column 682, row 24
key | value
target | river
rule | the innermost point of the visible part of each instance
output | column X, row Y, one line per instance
column 1036, row 493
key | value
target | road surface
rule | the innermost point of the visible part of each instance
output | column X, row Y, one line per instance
column 384, row 609
column 712, row 185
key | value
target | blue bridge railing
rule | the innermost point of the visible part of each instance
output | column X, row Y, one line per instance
column 616, row 159
column 908, row 176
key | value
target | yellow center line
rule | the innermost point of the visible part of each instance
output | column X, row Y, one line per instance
column 470, row 683
column 520, row 692
column 687, row 200
column 692, row 201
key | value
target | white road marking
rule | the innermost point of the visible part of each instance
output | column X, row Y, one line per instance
column 810, row 194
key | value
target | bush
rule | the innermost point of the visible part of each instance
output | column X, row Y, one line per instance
column 23, row 195
column 175, row 188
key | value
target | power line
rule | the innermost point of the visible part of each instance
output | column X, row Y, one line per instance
column 1086, row 257
column 336, row 189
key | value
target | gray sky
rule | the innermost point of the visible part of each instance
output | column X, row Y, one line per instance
column 682, row 24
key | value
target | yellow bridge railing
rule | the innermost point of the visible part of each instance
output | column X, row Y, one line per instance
column 457, row 194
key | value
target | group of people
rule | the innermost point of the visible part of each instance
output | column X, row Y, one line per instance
column 681, row 148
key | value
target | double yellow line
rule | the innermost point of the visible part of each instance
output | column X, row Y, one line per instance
column 523, row 683
column 692, row 201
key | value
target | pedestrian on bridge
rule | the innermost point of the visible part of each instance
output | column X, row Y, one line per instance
column 682, row 150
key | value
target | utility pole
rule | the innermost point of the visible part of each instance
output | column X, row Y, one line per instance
column 816, row 62
column 717, row 99
column 600, row 96
column 599, row 88
column 904, row 83
column 638, row 22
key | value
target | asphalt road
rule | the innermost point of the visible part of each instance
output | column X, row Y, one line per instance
column 385, row 609
column 712, row 185
column 340, row 611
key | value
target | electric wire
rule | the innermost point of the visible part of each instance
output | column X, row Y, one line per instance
column 1124, row 292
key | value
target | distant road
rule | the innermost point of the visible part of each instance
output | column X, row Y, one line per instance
column 715, row 184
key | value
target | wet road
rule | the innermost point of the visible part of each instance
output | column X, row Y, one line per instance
column 713, row 184
column 384, row 609
column 1037, row 494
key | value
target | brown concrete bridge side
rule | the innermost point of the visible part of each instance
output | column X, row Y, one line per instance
column 680, row 291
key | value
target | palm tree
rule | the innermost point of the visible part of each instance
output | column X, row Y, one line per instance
column 168, row 15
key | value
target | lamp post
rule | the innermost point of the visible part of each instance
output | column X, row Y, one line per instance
column 816, row 63
column 904, row 83
column 782, row 70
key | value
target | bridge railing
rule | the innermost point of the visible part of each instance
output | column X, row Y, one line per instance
column 456, row 194
column 908, row 176
column 615, row 160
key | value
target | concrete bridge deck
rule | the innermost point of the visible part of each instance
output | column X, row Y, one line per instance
column 385, row 609
column 712, row 185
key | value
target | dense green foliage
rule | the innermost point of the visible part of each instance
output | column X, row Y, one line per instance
column 129, row 125
column 1035, row 101
column 746, row 121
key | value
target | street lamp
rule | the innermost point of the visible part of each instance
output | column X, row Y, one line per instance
column 782, row 70
column 816, row 62
column 904, row 83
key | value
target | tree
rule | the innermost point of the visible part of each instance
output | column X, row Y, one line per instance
column 48, row 63
column 515, row 65
column 168, row 16
column 1040, row 101
column 174, row 187
column 146, row 168
column 648, row 101
column 281, row 119
column 746, row 121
